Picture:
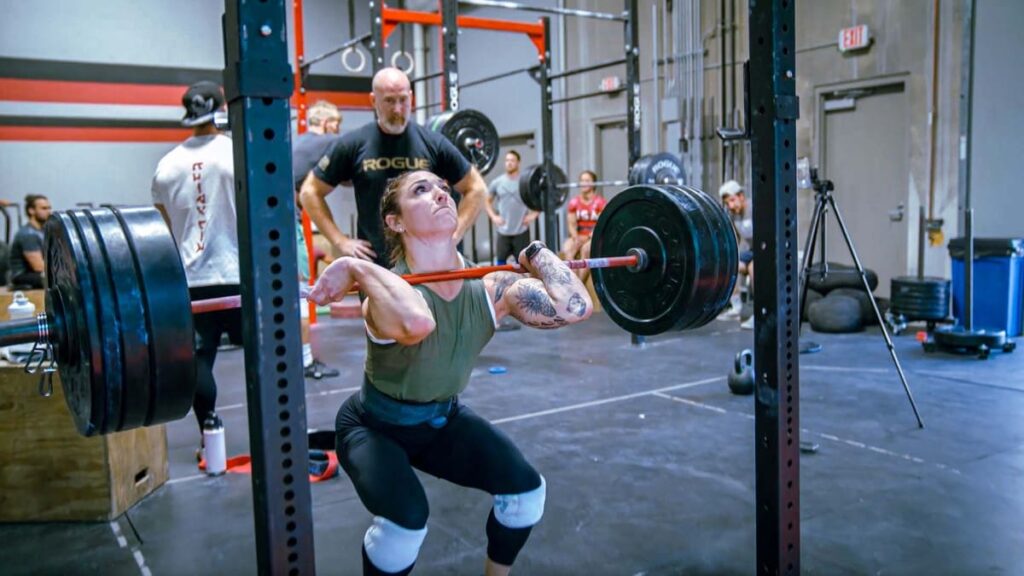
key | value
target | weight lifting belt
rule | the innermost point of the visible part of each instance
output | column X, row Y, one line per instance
column 399, row 413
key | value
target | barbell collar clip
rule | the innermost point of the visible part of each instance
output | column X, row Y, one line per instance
column 641, row 259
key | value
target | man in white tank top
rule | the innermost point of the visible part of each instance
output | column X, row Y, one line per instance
column 193, row 188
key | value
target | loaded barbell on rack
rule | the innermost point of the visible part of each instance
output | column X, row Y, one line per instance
column 118, row 319
column 660, row 168
column 472, row 133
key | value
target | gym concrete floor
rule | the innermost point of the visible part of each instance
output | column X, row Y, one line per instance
column 649, row 461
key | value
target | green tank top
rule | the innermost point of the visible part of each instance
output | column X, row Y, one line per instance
column 439, row 366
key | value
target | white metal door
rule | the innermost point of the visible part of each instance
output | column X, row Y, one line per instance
column 866, row 157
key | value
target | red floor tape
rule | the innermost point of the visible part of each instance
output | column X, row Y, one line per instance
column 242, row 464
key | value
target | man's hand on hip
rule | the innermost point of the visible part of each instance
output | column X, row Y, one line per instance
column 356, row 248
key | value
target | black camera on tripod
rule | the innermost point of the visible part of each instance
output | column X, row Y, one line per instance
column 820, row 186
column 824, row 203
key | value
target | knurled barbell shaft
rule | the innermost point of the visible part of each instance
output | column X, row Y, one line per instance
column 593, row 184
column 20, row 331
column 480, row 272
column 28, row 330
column 229, row 302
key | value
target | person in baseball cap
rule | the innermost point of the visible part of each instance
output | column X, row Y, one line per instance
column 735, row 201
column 730, row 188
column 193, row 187
column 202, row 100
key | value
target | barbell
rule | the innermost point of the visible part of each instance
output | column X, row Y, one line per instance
column 659, row 168
column 118, row 319
column 595, row 184
column 636, row 259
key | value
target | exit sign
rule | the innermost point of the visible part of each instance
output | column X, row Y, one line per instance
column 854, row 38
column 610, row 84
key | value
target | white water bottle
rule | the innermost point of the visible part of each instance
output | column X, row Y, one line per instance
column 214, row 451
column 21, row 307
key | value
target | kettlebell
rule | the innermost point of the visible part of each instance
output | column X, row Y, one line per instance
column 741, row 379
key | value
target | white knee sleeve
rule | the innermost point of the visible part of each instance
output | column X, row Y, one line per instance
column 520, row 510
column 390, row 547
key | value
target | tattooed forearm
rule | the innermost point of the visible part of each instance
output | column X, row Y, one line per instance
column 502, row 280
column 539, row 322
column 529, row 302
column 577, row 305
column 553, row 271
column 533, row 300
column 556, row 322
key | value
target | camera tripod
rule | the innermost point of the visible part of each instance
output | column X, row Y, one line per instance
column 823, row 203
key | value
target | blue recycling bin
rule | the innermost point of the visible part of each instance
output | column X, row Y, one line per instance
column 998, row 283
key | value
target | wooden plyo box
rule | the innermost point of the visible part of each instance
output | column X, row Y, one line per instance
column 48, row 472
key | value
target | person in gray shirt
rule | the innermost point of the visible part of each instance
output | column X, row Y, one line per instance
column 323, row 122
column 510, row 216
column 26, row 255
column 740, row 212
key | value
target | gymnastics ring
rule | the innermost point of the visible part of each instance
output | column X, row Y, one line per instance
column 412, row 63
column 344, row 59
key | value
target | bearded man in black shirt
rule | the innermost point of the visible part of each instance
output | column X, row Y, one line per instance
column 372, row 155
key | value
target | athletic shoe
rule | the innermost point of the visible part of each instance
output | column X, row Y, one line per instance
column 318, row 370
column 730, row 313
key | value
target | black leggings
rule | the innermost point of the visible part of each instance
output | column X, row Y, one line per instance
column 505, row 246
column 468, row 451
column 27, row 280
column 209, row 328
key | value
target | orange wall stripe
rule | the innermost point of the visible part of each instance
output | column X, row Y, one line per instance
column 351, row 100
column 20, row 90
column 90, row 134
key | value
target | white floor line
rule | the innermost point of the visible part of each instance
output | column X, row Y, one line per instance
column 140, row 560
column 807, row 432
column 846, row 369
column 605, row 401
column 185, row 479
column 227, row 407
column 966, row 379
column 900, row 455
column 702, row 405
column 116, row 529
column 543, row 412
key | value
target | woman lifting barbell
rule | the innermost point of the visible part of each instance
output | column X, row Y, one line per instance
column 665, row 260
column 422, row 343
